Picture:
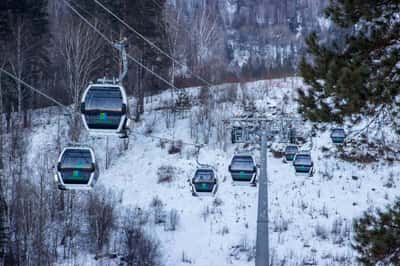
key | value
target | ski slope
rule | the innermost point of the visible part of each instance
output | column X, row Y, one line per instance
column 310, row 217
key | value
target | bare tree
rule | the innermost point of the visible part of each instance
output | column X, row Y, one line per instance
column 81, row 50
column 206, row 37
column 4, row 219
column 177, row 35
column 101, row 215
column 139, row 248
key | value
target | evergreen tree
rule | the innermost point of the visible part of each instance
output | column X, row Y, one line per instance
column 377, row 236
column 360, row 74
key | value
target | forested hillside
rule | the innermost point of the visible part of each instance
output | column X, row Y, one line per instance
column 206, row 81
column 44, row 42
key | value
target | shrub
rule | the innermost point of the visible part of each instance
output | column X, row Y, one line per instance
column 217, row 202
column 172, row 220
column 277, row 154
column 158, row 210
column 205, row 213
column 101, row 216
column 175, row 147
column 280, row 224
column 321, row 232
column 224, row 230
column 165, row 174
column 138, row 247
column 377, row 236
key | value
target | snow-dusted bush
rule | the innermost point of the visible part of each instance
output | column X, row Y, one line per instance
column 158, row 210
column 244, row 244
column 340, row 231
column 138, row 247
column 243, row 249
column 280, row 224
column 342, row 259
column 217, row 202
column 205, row 213
column 175, row 147
column 165, row 174
column 224, row 230
column 162, row 144
column 172, row 220
column 185, row 258
column 277, row 149
column 321, row 232
column 140, row 217
column 324, row 211
column 389, row 183
column 101, row 210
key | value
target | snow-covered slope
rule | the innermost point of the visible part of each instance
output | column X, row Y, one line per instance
column 310, row 217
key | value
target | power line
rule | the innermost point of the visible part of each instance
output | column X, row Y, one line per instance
column 151, row 43
column 157, row 4
column 112, row 44
column 35, row 90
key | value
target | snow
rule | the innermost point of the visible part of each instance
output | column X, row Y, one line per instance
column 324, row 23
column 241, row 57
column 310, row 217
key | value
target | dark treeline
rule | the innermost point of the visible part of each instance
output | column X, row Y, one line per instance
column 50, row 47
column 45, row 44
column 352, row 78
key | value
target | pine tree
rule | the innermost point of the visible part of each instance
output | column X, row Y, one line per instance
column 359, row 73
column 377, row 236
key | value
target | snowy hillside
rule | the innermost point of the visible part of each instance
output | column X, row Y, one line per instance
column 310, row 217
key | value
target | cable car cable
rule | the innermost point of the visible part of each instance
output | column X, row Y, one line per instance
column 99, row 21
column 36, row 90
column 105, row 26
column 151, row 43
column 157, row 4
column 73, row 9
column 172, row 19
column 202, row 165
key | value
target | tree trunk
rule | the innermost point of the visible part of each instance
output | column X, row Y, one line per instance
column 4, row 225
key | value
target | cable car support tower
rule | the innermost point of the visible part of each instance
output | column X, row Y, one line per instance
column 254, row 130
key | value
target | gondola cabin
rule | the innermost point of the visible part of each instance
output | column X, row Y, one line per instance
column 290, row 153
column 303, row 164
column 76, row 169
column 243, row 169
column 204, row 182
column 104, row 109
column 238, row 135
column 338, row 135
